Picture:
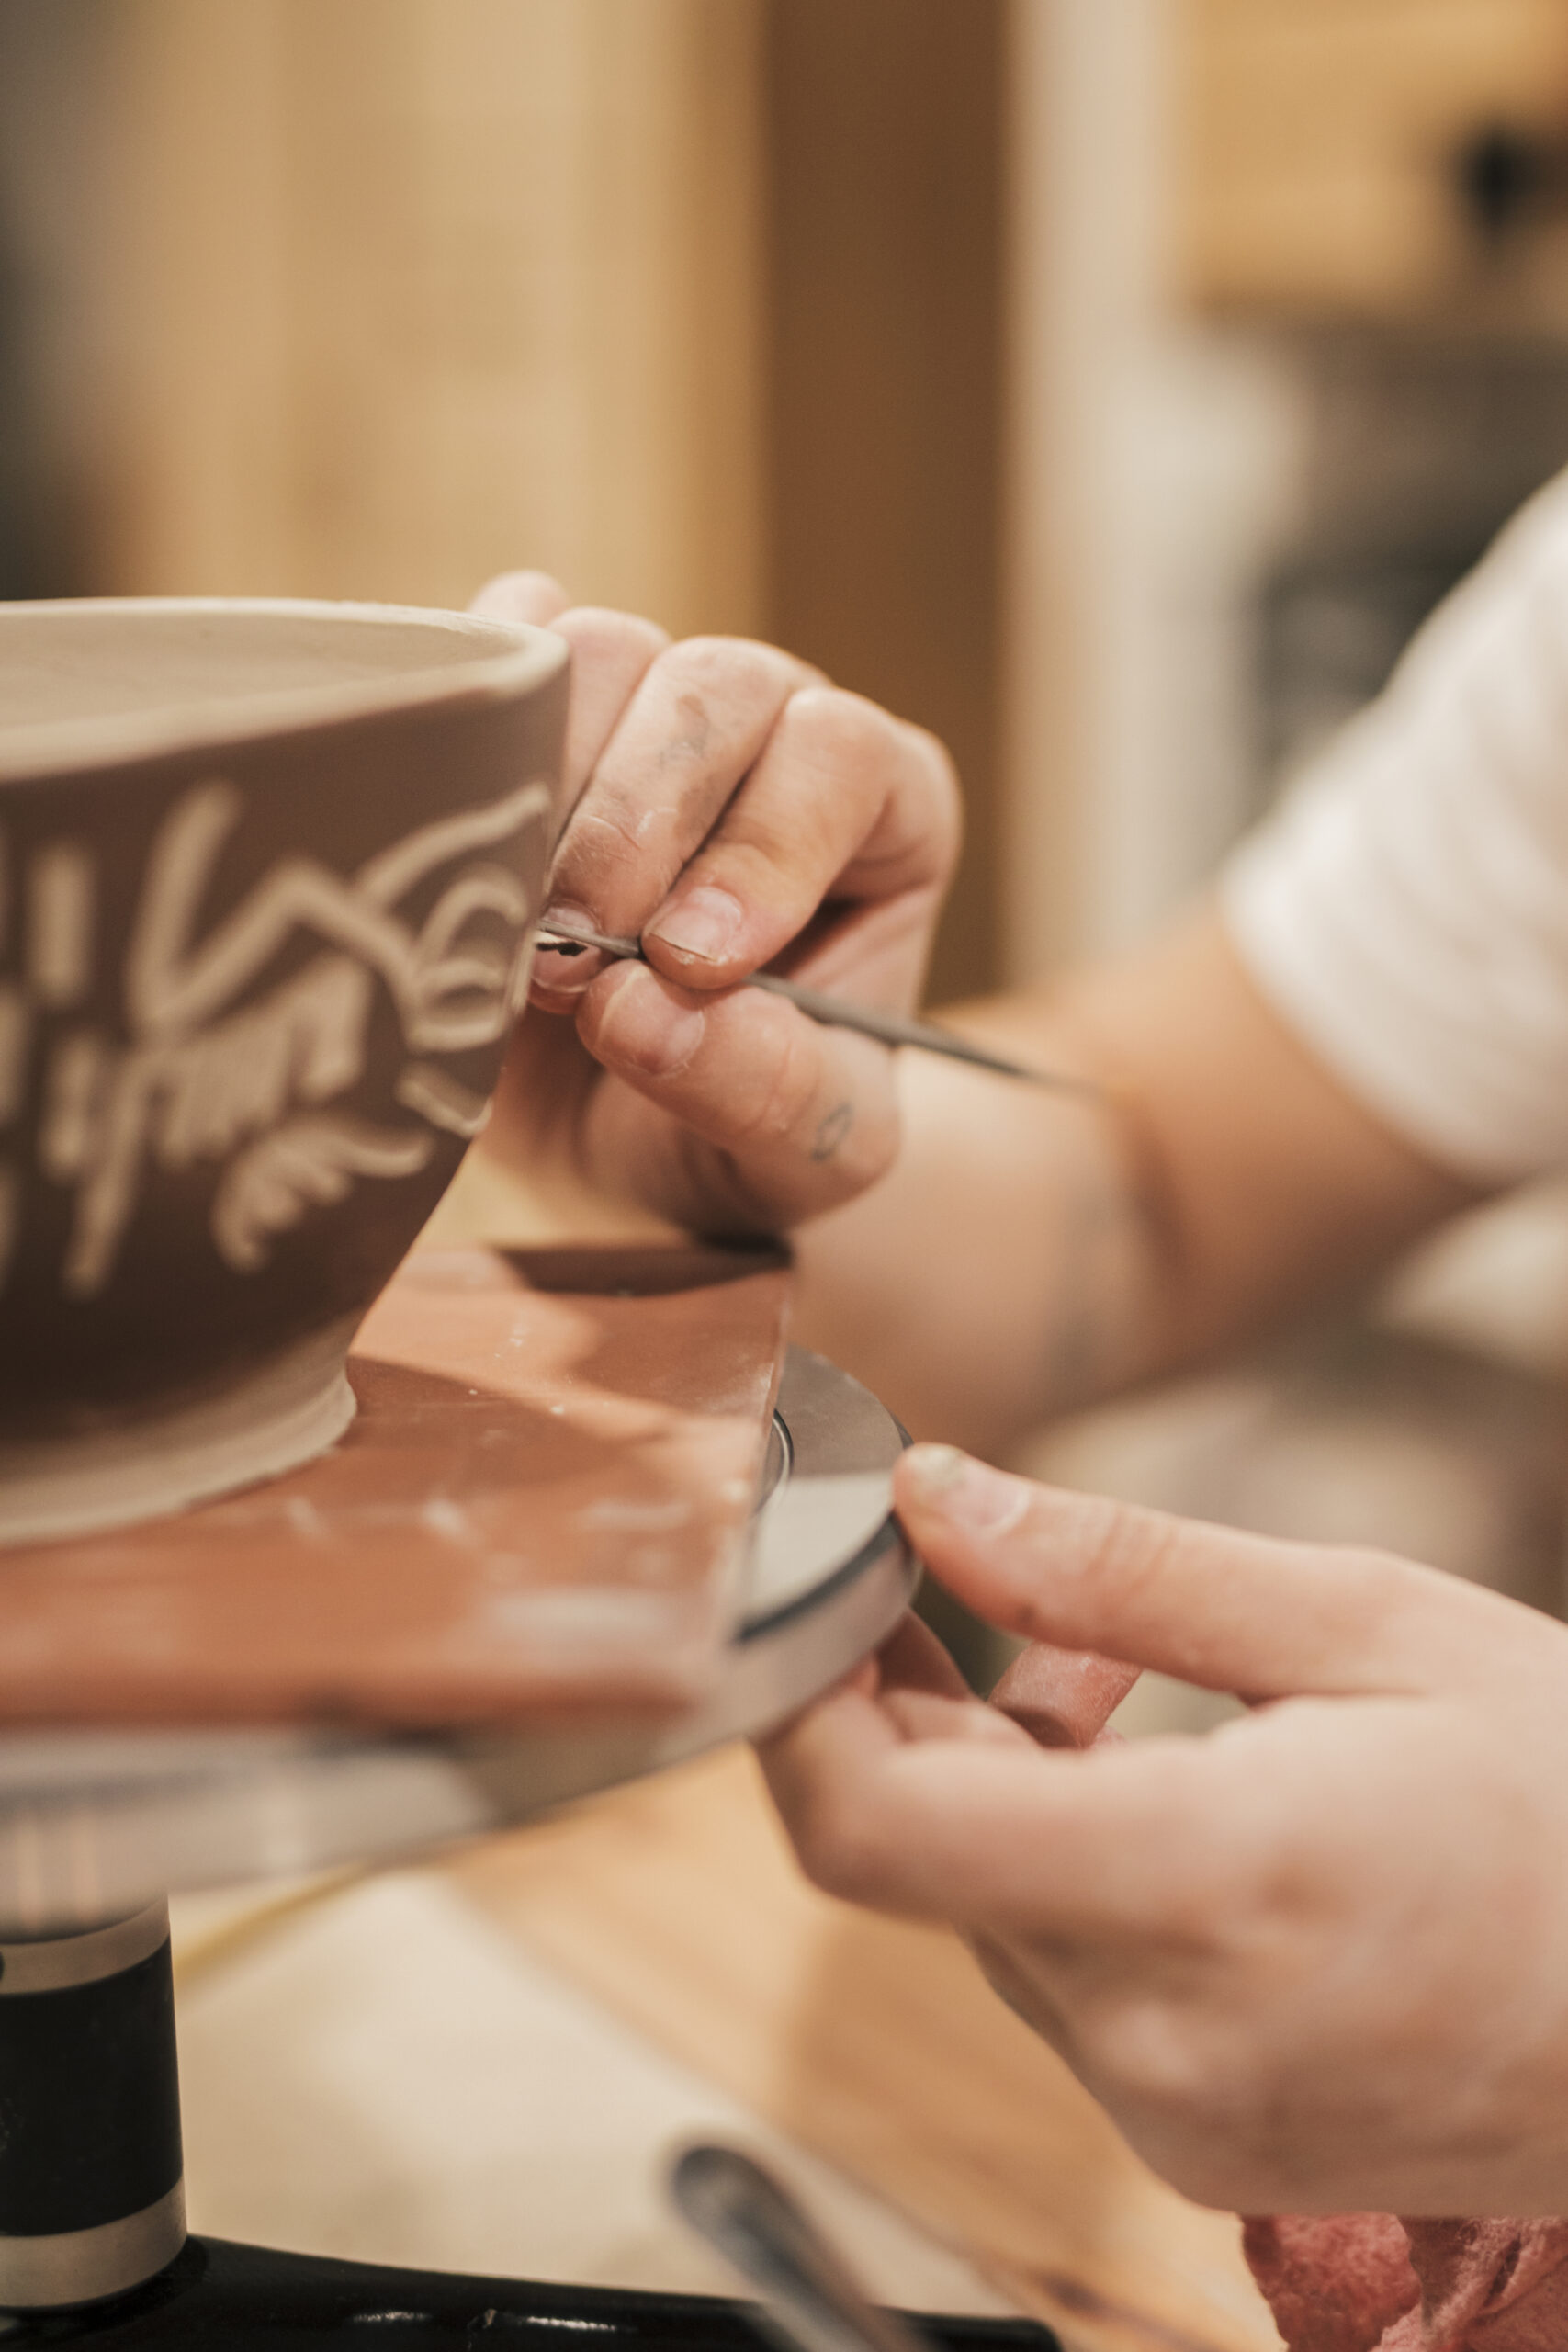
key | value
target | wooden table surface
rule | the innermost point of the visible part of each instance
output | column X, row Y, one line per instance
column 872, row 2043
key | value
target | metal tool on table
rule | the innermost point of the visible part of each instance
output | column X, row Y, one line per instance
column 837, row 1013
column 810, row 2300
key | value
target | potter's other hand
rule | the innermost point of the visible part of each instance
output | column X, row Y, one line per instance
column 1315, row 1962
column 732, row 810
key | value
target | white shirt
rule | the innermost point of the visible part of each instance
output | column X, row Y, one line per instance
column 1406, row 910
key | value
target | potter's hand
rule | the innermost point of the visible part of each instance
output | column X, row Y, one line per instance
column 1315, row 1962
column 732, row 810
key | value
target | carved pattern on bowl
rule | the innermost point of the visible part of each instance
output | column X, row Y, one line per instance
column 204, row 1072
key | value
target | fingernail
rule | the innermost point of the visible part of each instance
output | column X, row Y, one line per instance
column 566, row 972
column 642, row 1026
column 702, row 927
column 965, row 1492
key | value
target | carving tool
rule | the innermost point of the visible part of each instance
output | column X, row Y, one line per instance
column 810, row 2301
column 837, row 1013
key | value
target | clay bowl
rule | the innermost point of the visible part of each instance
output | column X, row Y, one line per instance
column 267, row 876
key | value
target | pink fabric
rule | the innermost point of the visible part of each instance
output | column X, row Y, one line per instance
column 1336, row 2285
column 1366, row 2282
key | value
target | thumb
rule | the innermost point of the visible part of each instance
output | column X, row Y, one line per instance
column 1225, row 1609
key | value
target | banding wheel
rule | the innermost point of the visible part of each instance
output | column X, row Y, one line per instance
column 96, row 1826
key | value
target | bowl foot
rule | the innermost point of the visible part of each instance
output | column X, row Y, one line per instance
column 290, row 1410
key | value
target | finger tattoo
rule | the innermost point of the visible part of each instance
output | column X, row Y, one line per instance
column 832, row 1130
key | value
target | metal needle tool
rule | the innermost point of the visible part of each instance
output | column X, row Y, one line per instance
column 810, row 2301
column 836, row 1013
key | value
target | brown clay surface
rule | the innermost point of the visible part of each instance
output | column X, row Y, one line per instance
column 539, row 1509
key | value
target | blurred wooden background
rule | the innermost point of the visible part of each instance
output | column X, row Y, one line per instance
column 1322, row 143
column 807, row 317
column 413, row 291
column 693, row 302
column 886, row 258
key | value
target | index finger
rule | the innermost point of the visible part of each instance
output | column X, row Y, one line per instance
column 842, row 797
column 696, row 720
column 1215, row 1606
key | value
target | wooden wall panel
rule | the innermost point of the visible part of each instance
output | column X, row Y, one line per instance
column 695, row 302
column 1319, row 140
column 887, row 226
column 414, row 290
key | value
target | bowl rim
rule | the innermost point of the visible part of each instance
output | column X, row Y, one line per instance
column 524, row 656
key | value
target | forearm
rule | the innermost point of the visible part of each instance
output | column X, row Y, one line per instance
column 1003, row 1273
column 1029, row 1253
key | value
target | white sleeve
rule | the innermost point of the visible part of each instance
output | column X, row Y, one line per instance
column 1406, row 910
